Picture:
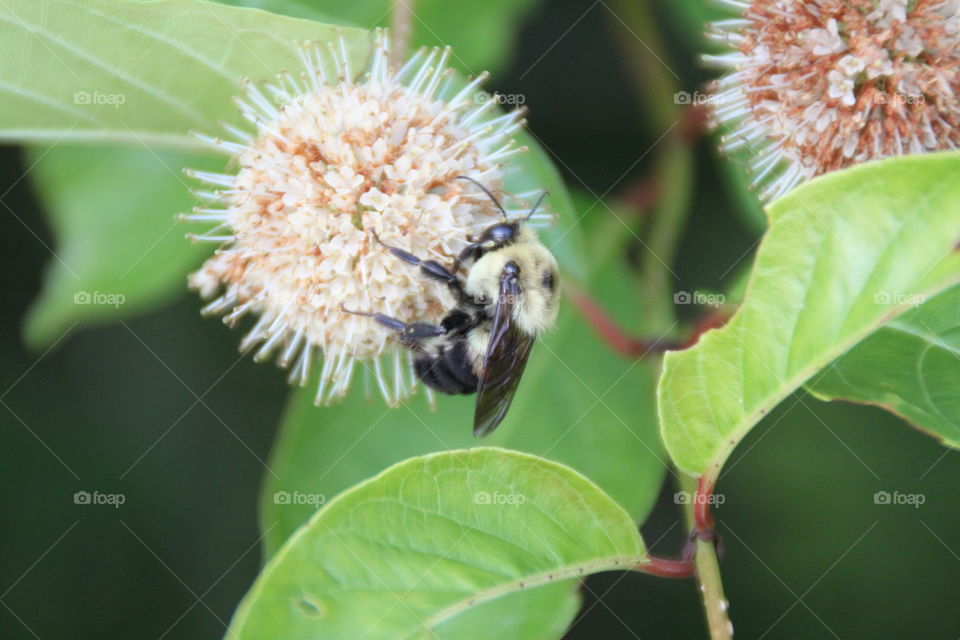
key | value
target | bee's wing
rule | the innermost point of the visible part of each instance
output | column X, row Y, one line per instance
column 503, row 363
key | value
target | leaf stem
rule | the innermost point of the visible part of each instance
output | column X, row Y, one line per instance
column 614, row 335
column 665, row 567
column 702, row 518
column 401, row 29
column 655, row 86
column 626, row 345
column 705, row 561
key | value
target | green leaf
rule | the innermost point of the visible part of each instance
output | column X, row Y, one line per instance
column 462, row 544
column 481, row 39
column 119, row 249
column 842, row 254
column 578, row 404
column 141, row 72
column 316, row 10
column 909, row 367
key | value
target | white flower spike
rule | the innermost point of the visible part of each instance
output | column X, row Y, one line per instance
column 331, row 162
column 816, row 86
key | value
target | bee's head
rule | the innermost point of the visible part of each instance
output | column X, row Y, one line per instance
column 535, row 284
column 504, row 233
column 499, row 235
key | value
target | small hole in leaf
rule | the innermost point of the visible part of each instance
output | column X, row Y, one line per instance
column 311, row 606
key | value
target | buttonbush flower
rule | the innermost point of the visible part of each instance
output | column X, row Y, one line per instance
column 331, row 161
column 816, row 86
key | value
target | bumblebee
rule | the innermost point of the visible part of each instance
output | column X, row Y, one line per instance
column 509, row 296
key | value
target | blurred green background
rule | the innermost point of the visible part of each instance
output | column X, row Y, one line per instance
column 163, row 411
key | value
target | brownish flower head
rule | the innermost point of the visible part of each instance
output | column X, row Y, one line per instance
column 815, row 86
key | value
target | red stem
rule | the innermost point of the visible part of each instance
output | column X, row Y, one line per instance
column 702, row 518
column 631, row 347
column 666, row 568
column 612, row 334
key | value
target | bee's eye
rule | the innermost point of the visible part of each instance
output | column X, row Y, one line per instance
column 547, row 280
column 500, row 233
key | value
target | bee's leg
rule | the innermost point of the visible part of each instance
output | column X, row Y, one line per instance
column 409, row 334
column 430, row 268
column 471, row 252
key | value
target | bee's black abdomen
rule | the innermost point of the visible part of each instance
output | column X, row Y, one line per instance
column 456, row 320
column 450, row 372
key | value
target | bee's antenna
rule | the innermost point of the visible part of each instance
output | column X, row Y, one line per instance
column 486, row 191
column 536, row 205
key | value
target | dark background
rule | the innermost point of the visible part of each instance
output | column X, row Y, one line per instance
column 809, row 554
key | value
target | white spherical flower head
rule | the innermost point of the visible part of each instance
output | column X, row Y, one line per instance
column 818, row 86
column 333, row 165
